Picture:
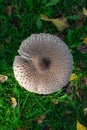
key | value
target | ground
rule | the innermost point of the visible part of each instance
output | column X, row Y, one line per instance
column 61, row 110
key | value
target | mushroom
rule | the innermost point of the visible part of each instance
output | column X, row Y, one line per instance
column 44, row 64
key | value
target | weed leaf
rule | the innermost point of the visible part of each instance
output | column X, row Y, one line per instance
column 52, row 2
column 1, row 1
column 39, row 24
column 30, row 4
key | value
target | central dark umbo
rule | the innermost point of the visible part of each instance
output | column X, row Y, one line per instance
column 44, row 63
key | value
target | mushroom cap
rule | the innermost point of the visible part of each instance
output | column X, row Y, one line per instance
column 44, row 64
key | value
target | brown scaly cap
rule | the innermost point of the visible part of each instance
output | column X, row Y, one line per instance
column 44, row 64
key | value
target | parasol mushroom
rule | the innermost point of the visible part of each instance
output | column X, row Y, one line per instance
column 44, row 64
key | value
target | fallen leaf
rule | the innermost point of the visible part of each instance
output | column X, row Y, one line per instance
column 3, row 78
column 15, row 21
column 84, row 80
column 80, row 64
column 85, row 111
column 8, row 39
column 68, row 112
column 79, row 94
column 82, row 49
column 73, row 77
column 80, row 126
column 44, row 17
column 47, row 127
column 9, row 10
column 67, row 89
column 55, row 102
column 13, row 102
column 62, row 36
column 40, row 119
column 85, row 40
column 0, row 21
column 84, row 11
column 79, row 21
column 60, row 23
column 21, row 128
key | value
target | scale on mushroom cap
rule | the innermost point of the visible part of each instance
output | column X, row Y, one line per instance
column 44, row 64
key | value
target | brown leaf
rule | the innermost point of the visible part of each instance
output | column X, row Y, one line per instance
column 15, row 21
column 55, row 102
column 8, row 39
column 67, row 89
column 47, row 127
column 82, row 48
column 61, row 35
column 9, row 10
column 84, row 80
column 79, row 94
column 3, row 78
column 68, row 112
column 79, row 21
column 40, row 119
column 0, row 21
column 21, row 128
column 80, row 64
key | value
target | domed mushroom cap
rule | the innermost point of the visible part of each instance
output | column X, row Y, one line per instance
column 44, row 64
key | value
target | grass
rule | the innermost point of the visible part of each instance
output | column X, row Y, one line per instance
column 23, row 21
